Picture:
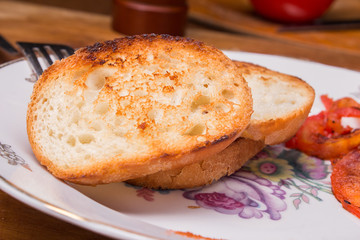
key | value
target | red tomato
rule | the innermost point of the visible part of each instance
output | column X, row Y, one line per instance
column 291, row 11
column 314, row 139
column 345, row 181
column 323, row 135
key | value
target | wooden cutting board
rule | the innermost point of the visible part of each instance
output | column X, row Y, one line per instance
column 246, row 22
column 38, row 23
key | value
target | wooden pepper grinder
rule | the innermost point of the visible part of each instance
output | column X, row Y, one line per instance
column 132, row 17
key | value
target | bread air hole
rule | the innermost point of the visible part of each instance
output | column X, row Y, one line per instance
column 119, row 132
column 177, row 98
column 78, row 74
column 222, row 107
column 95, row 83
column 51, row 133
column 96, row 79
column 117, row 121
column 140, row 93
column 199, row 101
column 198, row 129
column 79, row 105
column 123, row 93
column 86, row 138
column 59, row 136
column 227, row 94
column 96, row 126
column 155, row 114
column 71, row 141
column 101, row 108
column 76, row 117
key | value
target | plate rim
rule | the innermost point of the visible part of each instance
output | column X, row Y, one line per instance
column 73, row 218
column 65, row 215
column 62, row 214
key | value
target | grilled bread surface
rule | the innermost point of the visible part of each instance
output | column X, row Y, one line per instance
column 134, row 106
column 281, row 103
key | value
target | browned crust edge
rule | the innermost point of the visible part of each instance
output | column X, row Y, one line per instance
column 205, row 171
column 278, row 130
column 117, row 171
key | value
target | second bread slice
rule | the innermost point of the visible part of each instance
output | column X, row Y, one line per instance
column 281, row 104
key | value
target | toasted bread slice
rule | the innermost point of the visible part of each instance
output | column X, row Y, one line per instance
column 281, row 104
column 134, row 106
column 206, row 171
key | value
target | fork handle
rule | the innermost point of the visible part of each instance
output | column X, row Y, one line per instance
column 5, row 45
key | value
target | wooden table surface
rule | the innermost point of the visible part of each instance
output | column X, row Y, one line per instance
column 30, row 22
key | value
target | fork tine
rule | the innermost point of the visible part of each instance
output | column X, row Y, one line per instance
column 69, row 50
column 35, row 51
column 58, row 52
column 45, row 54
column 58, row 47
column 29, row 53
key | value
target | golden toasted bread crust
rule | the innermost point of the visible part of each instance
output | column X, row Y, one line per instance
column 134, row 106
column 206, row 171
column 279, row 126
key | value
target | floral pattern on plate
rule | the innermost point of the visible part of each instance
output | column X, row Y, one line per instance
column 13, row 159
column 146, row 193
column 242, row 193
column 259, row 188
column 264, row 184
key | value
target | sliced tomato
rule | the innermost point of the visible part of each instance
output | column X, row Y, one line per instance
column 326, row 101
column 323, row 135
column 345, row 181
column 345, row 102
column 335, row 110
column 313, row 139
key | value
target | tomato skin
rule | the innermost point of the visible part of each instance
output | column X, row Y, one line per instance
column 315, row 140
column 323, row 135
column 291, row 11
column 345, row 181
column 328, row 102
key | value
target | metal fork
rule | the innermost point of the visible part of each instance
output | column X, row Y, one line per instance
column 41, row 55
column 4, row 44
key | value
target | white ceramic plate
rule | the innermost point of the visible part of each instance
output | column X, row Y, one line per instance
column 294, row 202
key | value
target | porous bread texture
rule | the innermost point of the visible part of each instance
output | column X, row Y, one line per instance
column 206, row 171
column 134, row 106
column 281, row 103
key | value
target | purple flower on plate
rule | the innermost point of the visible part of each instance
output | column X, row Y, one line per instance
column 311, row 167
column 218, row 201
column 305, row 166
column 242, row 193
column 273, row 169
